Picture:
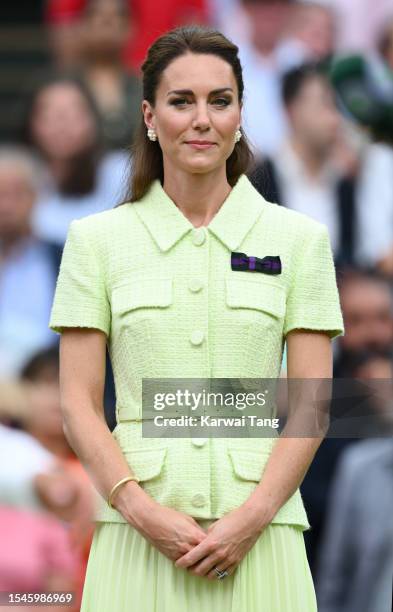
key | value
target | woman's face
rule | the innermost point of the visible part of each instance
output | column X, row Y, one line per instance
column 62, row 124
column 196, row 100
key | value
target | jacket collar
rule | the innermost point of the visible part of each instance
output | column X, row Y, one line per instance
column 167, row 224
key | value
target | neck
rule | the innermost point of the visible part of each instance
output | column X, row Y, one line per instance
column 264, row 47
column 59, row 168
column 198, row 196
column 313, row 158
column 108, row 62
column 9, row 241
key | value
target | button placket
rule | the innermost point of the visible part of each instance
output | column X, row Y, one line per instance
column 199, row 447
column 198, row 237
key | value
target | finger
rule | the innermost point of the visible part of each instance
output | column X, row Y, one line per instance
column 203, row 567
column 230, row 569
column 196, row 554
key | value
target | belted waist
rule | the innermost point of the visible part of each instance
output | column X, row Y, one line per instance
column 129, row 413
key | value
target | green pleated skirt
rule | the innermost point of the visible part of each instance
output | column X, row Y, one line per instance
column 125, row 573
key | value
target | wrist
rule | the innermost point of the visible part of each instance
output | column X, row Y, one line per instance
column 259, row 509
column 132, row 501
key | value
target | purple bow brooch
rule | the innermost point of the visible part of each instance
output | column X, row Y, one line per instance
column 271, row 264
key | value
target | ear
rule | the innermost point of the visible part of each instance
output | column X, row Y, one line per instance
column 148, row 114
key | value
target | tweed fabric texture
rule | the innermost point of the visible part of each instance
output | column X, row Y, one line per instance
column 170, row 305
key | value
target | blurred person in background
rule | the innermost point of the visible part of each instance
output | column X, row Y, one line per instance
column 305, row 174
column 359, row 23
column 59, row 483
column 385, row 42
column 367, row 305
column 36, row 552
column 33, row 408
column 355, row 564
column 310, row 34
column 28, row 263
column 148, row 20
column 63, row 126
column 68, row 492
column 375, row 367
column 364, row 88
column 36, row 557
column 263, row 66
column 62, row 18
column 105, row 25
column 367, row 302
column 43, row 371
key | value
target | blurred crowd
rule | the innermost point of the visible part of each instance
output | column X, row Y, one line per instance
column 318, row 111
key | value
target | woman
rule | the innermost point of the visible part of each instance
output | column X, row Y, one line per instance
column 63, row 125
column 153, row 278
column 104, row 31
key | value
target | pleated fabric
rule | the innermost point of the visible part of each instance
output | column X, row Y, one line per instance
column 125, row 573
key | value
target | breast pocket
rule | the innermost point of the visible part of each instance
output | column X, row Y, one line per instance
column 255, row 315
column 258, row 297
column 141, row 313
column 141, row 298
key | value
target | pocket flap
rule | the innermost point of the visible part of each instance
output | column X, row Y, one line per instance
column 144, row 293
column 145, row 464
column 248, row 465
column 245, row 293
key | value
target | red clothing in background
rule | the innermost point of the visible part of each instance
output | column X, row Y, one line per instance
column 149, row 18
column 63, row 11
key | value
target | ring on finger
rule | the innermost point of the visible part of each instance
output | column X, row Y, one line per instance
column 220, row 573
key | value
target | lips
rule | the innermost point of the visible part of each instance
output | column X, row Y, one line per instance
column 200, row 142
column 200, row 145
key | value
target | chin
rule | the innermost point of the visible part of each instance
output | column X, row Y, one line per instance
column 200, row 169
column 202, row 166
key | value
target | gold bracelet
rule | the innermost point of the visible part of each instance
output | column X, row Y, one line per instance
column 117, row 485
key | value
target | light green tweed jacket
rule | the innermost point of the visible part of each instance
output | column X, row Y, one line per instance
column 171, row 306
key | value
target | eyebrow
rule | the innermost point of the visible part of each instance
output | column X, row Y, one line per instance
column 190, row 92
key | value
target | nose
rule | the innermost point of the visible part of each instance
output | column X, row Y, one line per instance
column 201, row 119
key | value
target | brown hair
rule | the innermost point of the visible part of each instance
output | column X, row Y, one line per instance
column 385, row 39
column 147, row 163
column 82, row 168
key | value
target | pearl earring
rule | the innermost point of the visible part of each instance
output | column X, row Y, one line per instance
column 151, row 134
column 238, row 135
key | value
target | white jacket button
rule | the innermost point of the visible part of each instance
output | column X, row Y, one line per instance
column 199, row 441
column 198, row 236
column 197, row 337
column 198, row 500
column 195, row 285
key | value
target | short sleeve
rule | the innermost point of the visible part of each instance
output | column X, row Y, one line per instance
column 80, row 298
column 313, row 300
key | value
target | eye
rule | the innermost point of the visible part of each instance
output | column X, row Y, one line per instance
column 178, row 101
column 222, row 101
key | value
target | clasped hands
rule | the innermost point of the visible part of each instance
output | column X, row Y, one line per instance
column 180, row 538
column 226, row 542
